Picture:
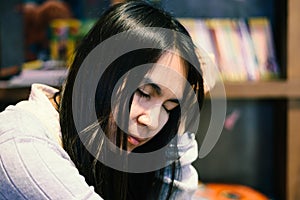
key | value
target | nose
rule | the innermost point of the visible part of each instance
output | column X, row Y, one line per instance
column 150, row 117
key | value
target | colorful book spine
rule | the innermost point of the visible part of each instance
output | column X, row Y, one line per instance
column 243, row 49
column 262, row 37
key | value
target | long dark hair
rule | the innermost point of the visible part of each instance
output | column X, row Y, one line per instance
column 112, row 183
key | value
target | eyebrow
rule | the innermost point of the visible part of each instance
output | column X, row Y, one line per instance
column 148, row 81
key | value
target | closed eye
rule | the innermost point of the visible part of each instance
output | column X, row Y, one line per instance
column 166, row 109
column 170, row 105
column 142, row 94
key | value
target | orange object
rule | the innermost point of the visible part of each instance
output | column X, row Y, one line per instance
column 218, row 191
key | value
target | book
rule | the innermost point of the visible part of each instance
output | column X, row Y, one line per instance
column 262, row 38
column 227, row 43
column 248, row 51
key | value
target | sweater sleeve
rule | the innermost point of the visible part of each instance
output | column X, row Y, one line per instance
column 186, row 185
column 34, row 166
column 31, row 168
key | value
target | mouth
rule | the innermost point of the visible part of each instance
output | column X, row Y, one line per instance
column 134, row 140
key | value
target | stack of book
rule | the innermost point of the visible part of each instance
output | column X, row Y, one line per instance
column 243, row 49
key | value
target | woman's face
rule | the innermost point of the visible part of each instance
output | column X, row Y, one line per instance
column 160, row 92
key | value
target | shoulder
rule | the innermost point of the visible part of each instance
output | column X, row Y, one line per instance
column 33, row 117
column 22, row 128
column 32, row 164
column 16, row 121
column 16, row 118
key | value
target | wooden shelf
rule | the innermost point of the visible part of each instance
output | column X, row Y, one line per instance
column 14, row 94
column 263, row 90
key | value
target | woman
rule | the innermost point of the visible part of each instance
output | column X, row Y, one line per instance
column 133, row 88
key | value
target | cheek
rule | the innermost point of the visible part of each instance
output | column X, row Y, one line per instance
column 164, row 117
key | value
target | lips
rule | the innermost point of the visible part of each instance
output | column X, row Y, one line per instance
column 134, row 140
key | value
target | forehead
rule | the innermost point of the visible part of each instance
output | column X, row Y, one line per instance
column 170, row 74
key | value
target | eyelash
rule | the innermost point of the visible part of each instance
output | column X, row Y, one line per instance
column 168, row 111
column 147, row 96
column 143, row 94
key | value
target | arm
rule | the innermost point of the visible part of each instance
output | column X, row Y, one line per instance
column 32, row 163
column 35, row 168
